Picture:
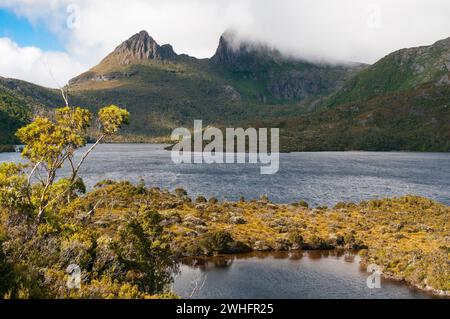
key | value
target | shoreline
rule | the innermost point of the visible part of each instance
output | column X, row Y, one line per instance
column 169, row 145
column 393, row 233
column 429, row 290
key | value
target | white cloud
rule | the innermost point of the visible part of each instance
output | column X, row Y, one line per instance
column 350, row 30
column 34, row 65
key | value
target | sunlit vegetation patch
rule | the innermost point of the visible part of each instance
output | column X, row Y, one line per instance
column 408, row 236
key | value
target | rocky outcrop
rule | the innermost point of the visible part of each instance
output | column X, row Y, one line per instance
column 280, row 76
column 142, row 46
column 241, row 55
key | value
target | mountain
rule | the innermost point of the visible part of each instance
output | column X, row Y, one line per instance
column 402, row 70
column 140, row 47
column 402, row 102
column 164, row 90
column 280, row 77
column 258, row 71
column 19, row 102
column 399, row 103
column 412, row 120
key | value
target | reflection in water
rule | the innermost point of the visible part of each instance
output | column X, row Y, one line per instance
column 204, row 263
column 296, row 274
column 225, row 261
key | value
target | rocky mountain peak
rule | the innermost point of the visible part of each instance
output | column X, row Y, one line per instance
column 233, row 51
column 142, row 46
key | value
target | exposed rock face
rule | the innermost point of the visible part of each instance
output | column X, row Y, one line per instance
column 241, row 55
column 282, row 77
column 445, row 80
column 445, row 43
column 232, row 93
column 293, row 84
column 141, row 46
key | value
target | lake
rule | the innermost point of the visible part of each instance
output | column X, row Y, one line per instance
column 323, row 178
column 319, row 178
column 297, row 275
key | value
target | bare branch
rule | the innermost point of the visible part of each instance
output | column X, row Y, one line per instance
column 32, row 173
column 92, row 211
column 83, row 158
column 65, row 94
column 197, row 285
column 74, row 173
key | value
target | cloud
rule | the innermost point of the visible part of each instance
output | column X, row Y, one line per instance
column 49, row 69
column 335, row 30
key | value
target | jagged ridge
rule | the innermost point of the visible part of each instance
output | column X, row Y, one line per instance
column 142, row 46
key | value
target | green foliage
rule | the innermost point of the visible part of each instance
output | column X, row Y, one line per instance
column 52, row 144
column 113, row 118
column 213, row 200
column 400, row 71
column 145, row 252
column 14, row 113
column 7, row 276
column 296, row 238
column 135, row 261
column 414, row 120
column 180, row 192
column 124, row 239
column 44, row 141
column 217, row 241
column 201, row 199
column 303, row 203
column 13, row 186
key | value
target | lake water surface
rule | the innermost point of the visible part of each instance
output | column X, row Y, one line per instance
column 297, row 275
column 319, row 178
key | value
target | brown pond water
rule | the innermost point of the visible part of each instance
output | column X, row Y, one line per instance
column 329, row 274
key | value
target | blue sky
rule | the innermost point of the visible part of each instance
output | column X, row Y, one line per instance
column 21, row 31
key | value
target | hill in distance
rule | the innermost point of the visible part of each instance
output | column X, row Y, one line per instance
column 402, row 102
column 403, row 70
column 19, row 102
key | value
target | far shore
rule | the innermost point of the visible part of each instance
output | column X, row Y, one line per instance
column 168, row 146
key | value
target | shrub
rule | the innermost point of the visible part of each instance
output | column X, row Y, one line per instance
column 304, row 204
column 217, row 241
column 213, row 200
column 340, row 205
column 180, row 192
column 200, row 200
column 296, row 239
column 144, row 252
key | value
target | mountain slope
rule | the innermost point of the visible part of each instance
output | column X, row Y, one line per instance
column 20, row 101
column 402, row 70
column 279, row 78
column 399, row 103
column 164, row 90
column 15, row 111
column 413, row 120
